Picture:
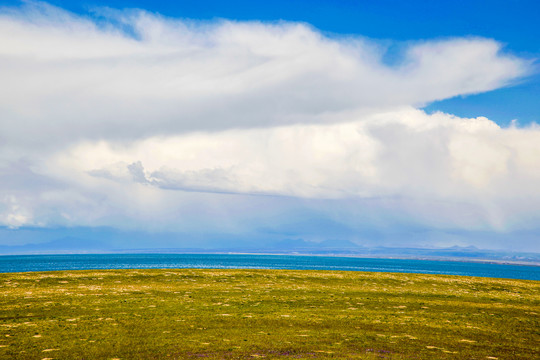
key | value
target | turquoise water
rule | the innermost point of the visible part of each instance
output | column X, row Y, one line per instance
column 19, row 263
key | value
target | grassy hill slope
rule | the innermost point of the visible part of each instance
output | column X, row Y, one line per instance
column 246, row 314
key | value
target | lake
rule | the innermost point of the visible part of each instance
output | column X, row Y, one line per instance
column 22, row 263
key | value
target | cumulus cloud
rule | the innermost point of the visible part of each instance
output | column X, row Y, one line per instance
column 132, row 120
column 406, row 167
column 407, row 153
column 133, row 74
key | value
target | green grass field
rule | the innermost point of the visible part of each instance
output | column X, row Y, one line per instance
column 273, row 314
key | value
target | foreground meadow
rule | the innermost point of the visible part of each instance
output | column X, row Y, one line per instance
column 247, row 314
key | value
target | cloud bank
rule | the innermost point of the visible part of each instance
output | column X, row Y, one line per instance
column 135, row 74
column 132, row 120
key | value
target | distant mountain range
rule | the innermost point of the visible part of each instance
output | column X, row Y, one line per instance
column 71, row 245
column 63, row 245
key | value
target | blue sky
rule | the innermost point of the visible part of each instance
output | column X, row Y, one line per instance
column 378, row 122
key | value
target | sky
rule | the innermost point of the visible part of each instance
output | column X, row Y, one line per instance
column 211, row 124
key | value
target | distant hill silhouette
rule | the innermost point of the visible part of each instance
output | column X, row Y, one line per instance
column 63, row 245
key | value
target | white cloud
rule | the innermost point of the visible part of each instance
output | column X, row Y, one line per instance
column 12, row 214
column 232, row 126
column 387, row 154
column 434, row 170
column 71, row 78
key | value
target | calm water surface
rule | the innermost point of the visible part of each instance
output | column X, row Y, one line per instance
column 19, row 263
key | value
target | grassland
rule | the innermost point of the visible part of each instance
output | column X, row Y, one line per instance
column 247, row 314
